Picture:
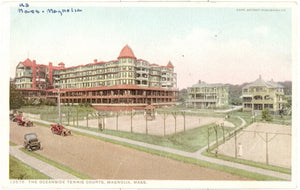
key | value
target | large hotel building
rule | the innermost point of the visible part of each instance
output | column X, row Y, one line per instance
column 123, row 84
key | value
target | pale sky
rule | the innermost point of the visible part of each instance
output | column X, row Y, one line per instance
column 216, row 45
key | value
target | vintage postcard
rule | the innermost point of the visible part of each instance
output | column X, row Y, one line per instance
column 149, row 94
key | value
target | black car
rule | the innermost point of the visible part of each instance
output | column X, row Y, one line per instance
column 31, row 142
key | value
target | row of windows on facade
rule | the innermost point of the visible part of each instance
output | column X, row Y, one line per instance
column 94, row 72
column 115, row 76
column 108, row 76
column 95, row 84
column 104, row 93
column 215, row 95
column 113, row 66
column 119, row 92
column 258, row 97
column 259, row 106
column 102, row 71
column 29, row 74
column 109, row 83
column 190, row 90
column 261, row 89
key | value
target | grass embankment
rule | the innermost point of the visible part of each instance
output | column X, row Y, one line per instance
column 12, row 144
column 55, row 164
column 19, row 170
column 249, row 163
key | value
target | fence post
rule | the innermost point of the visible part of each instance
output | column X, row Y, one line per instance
column 175, row 123
column 208, row 140
column 164, row 123
column 267, row 149
column 117, row 124
column 222, row 125
column 104, row 122
column 146, row 125
column 175, row 118
column 68, row 117
column 216, row 130
column 98, row 117
column 131, row 118
column 77, row 115
column 235, row 146
column 184, row 120
column 87, row 119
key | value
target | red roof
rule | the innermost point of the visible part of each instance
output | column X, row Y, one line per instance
column 27, row 63
column 170, row 65
column 126, row 52
column 154, row 64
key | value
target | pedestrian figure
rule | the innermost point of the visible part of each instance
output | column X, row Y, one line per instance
column 240, row 150
column 216, row 152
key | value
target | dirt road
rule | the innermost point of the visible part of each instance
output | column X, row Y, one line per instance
column 102, row 160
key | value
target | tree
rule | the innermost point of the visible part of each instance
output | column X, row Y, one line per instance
column 265, row 115
column 16, row 98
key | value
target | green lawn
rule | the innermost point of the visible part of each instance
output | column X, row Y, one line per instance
column 249, row 162
column 19, row 170
column 12, row 144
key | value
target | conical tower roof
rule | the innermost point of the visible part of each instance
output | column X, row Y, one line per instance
column 170, row 65
column 126, row 52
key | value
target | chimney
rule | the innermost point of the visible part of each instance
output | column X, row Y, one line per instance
column 50, row 64
column 95, row 60
column 34, row 62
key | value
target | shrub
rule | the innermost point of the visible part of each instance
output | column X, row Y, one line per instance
column 265, row 115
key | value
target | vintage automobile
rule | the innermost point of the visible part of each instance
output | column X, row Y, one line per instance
column 31, row 142
column 60, row 130
column 22, row 121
